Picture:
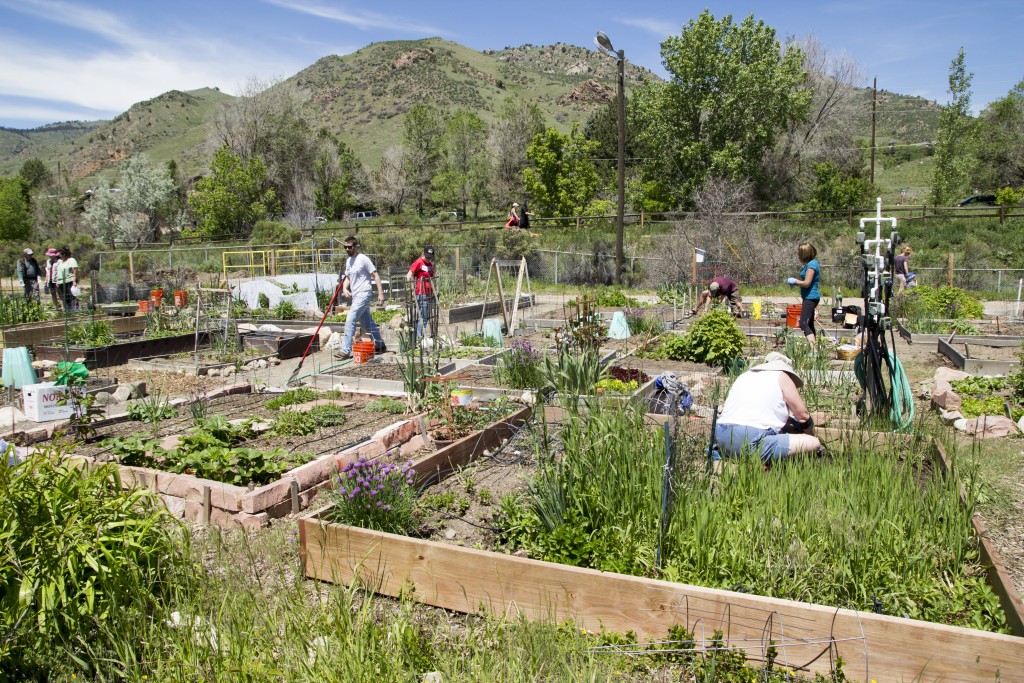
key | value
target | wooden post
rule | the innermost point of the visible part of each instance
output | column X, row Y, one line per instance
column 458, row 263
column 693, row 268
column 131, row 269
column 949, row 269
column 294, row 489
column 207, row 505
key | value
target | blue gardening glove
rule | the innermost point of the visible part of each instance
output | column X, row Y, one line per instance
column 791, row 281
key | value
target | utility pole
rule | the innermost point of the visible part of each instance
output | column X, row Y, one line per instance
column 874, row 101
column 604, row 43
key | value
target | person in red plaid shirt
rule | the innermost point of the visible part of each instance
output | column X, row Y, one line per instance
column 422, row 273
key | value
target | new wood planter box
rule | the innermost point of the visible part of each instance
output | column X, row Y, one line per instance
column 122, row 352
column 809, row 637
column 31, row 334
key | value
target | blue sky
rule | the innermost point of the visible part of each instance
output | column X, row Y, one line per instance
column 88, row 59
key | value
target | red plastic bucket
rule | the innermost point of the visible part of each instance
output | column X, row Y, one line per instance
column 180, row 298
column 144, row 306
column 793, row 315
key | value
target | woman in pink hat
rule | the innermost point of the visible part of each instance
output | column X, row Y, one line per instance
column 52, row 259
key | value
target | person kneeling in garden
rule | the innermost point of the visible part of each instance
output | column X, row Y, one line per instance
column 765, row 414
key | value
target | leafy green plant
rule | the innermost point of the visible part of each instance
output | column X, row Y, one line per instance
column 714, row 339
column 96, row 333
column 133, row 450
column 640, row 324
column 978, row 386
column 77, row 553
column 285, row 310
column 17, row 310
column 572, row 375
column 237, row 466
column 375, row 495
column 385, row 404
column 962, row 327
column 263, row 300
column 330, row 415
column 944, row 302
column 477, row 339
column 294, row 423
column 291, row 397
column 976, row 407
column 616, row 386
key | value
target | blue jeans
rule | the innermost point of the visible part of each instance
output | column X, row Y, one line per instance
column 735, row 440
column 360, row 313
column 423, row 324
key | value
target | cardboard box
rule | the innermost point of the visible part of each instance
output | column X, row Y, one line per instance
column 40, row 401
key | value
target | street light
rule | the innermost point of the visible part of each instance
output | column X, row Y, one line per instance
column 604, row 44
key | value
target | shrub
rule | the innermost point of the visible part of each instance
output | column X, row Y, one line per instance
column 285, row 310
column 294, row 423
column 270, row 232
column 714, row 339
column 944, row 302
column 78, row 551
column 98, row 333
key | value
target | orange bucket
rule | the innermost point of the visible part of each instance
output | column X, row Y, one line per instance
column 144, row 306
column 793, row 315
column 362, row 352
column 181, row 298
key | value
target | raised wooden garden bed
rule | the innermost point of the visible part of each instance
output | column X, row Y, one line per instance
column 963, row 360
column 122, row 352
column 31, row 334
column 809, row 636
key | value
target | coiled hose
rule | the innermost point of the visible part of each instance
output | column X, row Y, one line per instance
column 901, row 406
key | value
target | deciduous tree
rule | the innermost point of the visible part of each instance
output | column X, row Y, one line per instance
column 233, row 197
column 732, row 90
column 464, row 164
column 517, row 124
column 424, row 129
column 15, row 216
column 1001, row 142
column 955, row 147
column 132, row 214
column 562, row 180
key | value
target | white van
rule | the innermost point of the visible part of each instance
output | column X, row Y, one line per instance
column 363, row 215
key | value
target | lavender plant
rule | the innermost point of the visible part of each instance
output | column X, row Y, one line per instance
column 375, row 495
column 520, row 367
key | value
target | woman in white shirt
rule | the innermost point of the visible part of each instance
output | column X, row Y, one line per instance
column 765, row 414
column 67, row 277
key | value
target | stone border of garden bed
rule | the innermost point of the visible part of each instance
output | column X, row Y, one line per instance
column 873, row 646
column 205, row 501
column 157, row 364
column 978, row 366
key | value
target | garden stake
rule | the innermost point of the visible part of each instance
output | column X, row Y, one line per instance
column 664, row 487
column 316, row 335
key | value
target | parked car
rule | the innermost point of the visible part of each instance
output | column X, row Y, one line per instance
column 979, row 200
column 363, row 215
column 319, row 219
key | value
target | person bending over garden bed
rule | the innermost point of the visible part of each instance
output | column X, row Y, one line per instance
column 764, row 413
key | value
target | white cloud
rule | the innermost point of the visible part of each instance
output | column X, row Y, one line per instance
column 659, row 27
column 13, row 111
column 360, row 20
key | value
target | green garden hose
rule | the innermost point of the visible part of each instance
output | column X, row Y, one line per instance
column 901, row 408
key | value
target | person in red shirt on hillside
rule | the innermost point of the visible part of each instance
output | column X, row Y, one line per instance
column 720, row 287
column 422, row 272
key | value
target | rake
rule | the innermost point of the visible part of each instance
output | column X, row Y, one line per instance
column 316, row 335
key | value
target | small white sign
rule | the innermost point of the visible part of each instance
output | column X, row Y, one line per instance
column 698, row 255
column 40, row 401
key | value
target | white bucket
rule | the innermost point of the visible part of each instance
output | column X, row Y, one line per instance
column 462, row 397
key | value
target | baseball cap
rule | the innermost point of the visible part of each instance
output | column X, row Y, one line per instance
column 515, row 203
column 28, row 252
column 428, row 251
column 714, row 287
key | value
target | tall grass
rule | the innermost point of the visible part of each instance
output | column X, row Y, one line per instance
column 871, row 528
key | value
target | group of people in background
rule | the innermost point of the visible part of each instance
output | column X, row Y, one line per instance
column 58, row 275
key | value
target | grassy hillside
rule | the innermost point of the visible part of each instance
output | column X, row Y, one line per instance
column 173, row 125
column 364, row 96
column 18, row 145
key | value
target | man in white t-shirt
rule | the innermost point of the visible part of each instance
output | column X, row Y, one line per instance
column 765, row 414
column 359, row 275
